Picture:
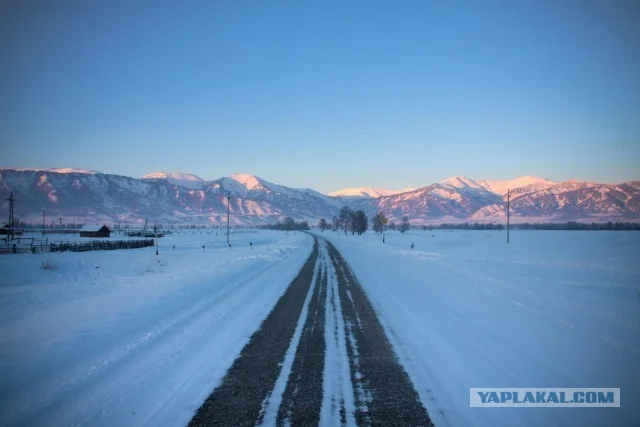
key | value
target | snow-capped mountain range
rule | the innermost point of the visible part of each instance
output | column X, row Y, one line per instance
column 83, row 195
column 366, row 192
column 183, row 179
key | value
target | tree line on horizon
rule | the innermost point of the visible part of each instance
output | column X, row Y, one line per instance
column 287, row 224
column 569, row 225
column 357, row 222
column 348, row 220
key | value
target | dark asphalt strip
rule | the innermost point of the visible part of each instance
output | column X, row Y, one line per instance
column 238, row 399
column 302, row 397
column 383, row 393
column 388, row 397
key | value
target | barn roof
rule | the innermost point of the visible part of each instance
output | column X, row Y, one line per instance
column 93, row 227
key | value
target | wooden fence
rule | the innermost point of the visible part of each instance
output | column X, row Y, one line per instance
column 96, row 245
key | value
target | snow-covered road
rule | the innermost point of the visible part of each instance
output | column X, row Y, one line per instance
column 128, row 338
column 321, row 357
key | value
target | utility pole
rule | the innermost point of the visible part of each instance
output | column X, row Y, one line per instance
column 228, row 203
column 11, row 225
column 384, row 222
column 508, row 213
column 43, row 221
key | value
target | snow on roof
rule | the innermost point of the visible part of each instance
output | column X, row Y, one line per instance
column 92, row 227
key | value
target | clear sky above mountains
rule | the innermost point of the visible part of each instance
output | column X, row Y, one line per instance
column 324, row 94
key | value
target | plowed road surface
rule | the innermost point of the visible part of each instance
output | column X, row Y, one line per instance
column 320, row 357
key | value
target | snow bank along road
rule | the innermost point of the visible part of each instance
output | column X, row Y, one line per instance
column 320, row 357
column 128, row 338
column 551, row 309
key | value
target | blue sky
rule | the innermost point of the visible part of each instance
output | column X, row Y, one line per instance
column 324, row 94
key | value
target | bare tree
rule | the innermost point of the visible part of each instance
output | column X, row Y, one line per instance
column 335, row 224
column 345, row 218
column 404, row 226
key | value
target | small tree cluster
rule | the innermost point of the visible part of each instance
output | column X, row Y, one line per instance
column 379, row 222
column 359, row 222
column 288, row 224
column 467, row 226
column 350, row 220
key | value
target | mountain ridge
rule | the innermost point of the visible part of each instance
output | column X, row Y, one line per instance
column 187, row 198
column 368, row 192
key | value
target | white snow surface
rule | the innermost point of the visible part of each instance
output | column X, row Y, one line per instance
column 187, row 180
column 242, row 184
column 130, row 338
column 337, row 385
column 247, row 180
column 116, row 338
column 500, row 186
column 551, row 309
column 367, row 192
column 57, row 170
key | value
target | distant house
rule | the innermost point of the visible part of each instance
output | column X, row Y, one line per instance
column 93, row 230
column 5, row 231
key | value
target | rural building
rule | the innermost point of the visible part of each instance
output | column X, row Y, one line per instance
column 95, row 231
column 5, row 230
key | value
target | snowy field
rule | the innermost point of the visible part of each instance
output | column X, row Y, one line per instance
column 130, row 338
column 551, row 309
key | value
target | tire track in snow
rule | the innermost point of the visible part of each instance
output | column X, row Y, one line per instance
column 383, row 391
column 302, row 397
column 239, row 400
column 338, row 405
column 271, row 407
column 321, row 357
